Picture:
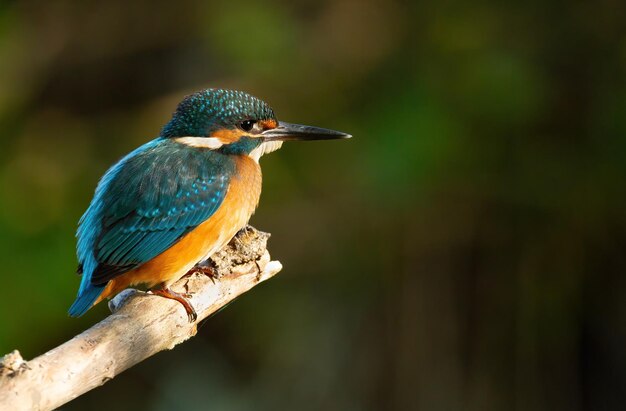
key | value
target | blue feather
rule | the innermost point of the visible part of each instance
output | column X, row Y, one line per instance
column 85, row 300
column 142, row 206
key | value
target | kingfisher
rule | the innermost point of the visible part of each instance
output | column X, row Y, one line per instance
column 176, row 200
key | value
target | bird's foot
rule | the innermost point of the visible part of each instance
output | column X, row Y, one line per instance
column 181, row 298
column 204, row 270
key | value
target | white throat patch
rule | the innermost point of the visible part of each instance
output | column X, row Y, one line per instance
column 213, row 143
column 265, row 148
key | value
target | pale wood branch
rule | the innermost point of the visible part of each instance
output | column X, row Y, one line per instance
column 140, row 326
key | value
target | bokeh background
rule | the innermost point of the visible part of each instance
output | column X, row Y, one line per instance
column 464, row 251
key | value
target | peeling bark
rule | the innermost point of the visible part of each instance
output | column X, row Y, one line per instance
column 140, row 326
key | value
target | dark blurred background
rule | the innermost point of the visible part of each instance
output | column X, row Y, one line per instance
column 464, row 251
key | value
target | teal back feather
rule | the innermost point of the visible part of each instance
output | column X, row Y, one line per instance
column 144, row 205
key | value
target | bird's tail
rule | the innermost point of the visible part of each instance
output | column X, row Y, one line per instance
column 86, row 298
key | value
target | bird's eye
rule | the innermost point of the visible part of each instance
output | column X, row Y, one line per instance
column 247, row 125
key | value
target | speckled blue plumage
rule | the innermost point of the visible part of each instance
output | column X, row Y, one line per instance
column 161, row 191
column 208, row 110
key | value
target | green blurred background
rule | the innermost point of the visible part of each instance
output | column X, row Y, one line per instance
column 464, row 251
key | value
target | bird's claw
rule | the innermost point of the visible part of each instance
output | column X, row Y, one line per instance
column 204, row 270
column 181, row 298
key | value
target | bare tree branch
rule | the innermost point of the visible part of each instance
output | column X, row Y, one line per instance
column 141, row 325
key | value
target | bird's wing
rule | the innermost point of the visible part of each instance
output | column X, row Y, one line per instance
column 152, row 200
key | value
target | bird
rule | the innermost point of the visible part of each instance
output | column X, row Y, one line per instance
column 179, row 198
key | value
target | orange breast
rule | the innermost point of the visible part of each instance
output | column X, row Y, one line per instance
column 236, row 209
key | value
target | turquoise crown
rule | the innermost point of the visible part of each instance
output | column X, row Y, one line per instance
column 205, row 111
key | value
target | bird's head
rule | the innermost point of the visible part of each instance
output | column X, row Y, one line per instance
column 235, row 122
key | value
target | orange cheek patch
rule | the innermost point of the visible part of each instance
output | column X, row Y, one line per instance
column 227, row 135
column 268, row 124
column 231, row 135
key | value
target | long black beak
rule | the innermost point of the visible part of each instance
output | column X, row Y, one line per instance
column 297, row 132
